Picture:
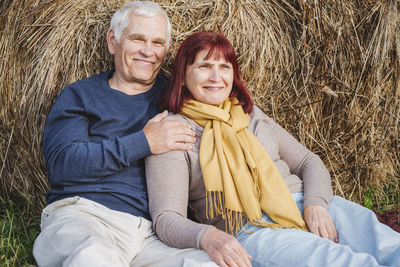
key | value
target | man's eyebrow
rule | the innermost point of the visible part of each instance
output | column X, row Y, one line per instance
column 159, row 40
column 136, row 36
column 142, row 37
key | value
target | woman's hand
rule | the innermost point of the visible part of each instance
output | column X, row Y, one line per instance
column 224, row 249
column 320, row 222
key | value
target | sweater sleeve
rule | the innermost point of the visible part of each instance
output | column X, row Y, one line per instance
column 168, row 177
column 70, row 154
column 302, row 162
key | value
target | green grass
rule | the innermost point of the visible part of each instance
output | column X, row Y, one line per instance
column 382, row 202
column 19, row 226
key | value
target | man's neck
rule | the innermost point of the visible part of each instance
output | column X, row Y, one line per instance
column 129, row 88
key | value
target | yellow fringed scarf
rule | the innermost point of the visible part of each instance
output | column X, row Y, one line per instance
column 239, row 175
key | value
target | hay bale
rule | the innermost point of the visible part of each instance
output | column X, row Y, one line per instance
column 327, row 71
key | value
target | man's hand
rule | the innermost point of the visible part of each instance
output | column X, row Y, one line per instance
column 320, row 222
column 164, row 136
column 224, row 249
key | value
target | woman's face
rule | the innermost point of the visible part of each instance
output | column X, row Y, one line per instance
column 209, row 80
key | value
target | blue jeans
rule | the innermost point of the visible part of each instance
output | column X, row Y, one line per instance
column 363, row 241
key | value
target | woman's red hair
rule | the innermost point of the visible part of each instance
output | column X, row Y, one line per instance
column 216, row 44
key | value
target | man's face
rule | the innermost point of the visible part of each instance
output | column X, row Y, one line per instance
column 141, row 50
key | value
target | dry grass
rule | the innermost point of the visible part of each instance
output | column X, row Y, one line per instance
column 328, row 71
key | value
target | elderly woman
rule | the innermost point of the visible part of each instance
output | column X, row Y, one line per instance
column 248, row 193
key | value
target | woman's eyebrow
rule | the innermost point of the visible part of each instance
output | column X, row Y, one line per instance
column 204, row 63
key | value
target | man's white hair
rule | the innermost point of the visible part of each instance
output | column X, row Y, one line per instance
column 120, row 19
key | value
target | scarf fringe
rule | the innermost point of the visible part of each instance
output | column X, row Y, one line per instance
column 214, row 204
column 233, row 219
column 215, row 207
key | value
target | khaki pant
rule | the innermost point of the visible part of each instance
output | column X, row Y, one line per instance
column 80, row 232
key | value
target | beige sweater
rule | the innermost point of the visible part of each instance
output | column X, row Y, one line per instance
column 176, row 187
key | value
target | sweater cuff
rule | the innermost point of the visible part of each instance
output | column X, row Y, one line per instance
column 200, row 235
column 136, row 146
column 315, row 201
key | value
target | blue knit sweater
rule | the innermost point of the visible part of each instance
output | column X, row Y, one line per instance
column 94, row 144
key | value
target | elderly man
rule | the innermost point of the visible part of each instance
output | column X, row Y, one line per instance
column 95, row 138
